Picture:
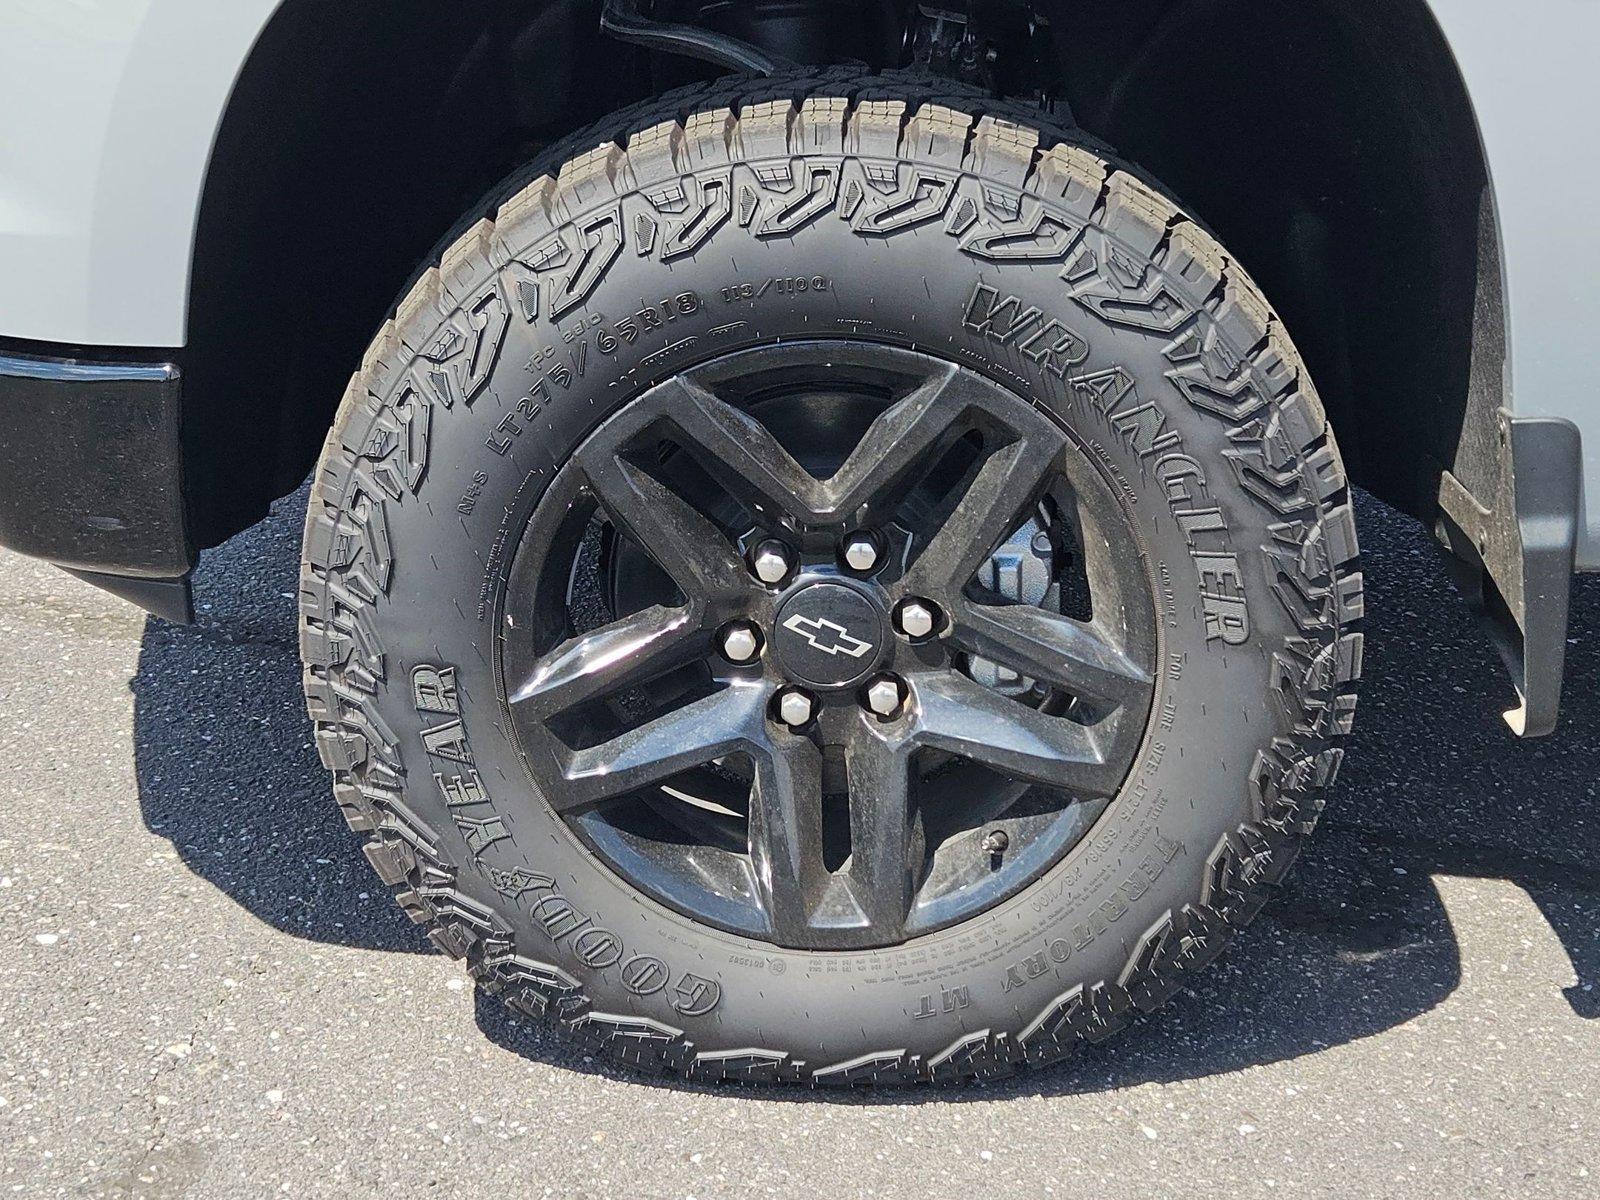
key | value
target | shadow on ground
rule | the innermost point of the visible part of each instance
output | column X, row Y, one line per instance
column 1433, row 784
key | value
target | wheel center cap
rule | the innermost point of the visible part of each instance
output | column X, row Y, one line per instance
column 828, row 635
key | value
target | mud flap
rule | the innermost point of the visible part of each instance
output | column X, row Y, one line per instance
column 1514, row 560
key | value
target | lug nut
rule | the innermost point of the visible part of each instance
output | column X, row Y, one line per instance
column 885, row 696
column 917, row 618
column 795, row 708
column 770, row 561
column 861, row 552
column 740, row 642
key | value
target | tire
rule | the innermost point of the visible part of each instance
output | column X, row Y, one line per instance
column 914, row 223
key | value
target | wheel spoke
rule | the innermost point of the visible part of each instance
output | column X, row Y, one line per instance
column 683, row 543
column 741, row 453
column 963, row 717
column 901, row 439
column 765, row 477
column 728, row 721
column 630, row 651
column 1006, row 484
column 1074, row 655
column 886, row 841
column 785, row 836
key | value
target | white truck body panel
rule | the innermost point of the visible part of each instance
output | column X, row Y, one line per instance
column 108, row 111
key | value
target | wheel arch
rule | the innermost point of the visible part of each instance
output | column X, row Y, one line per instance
column 1336, row 153
column 1356, row 192
column 352, row 141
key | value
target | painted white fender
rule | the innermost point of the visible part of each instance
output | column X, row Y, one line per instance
column 108, row 111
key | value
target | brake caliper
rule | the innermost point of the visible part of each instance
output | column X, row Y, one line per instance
column 1023, row 571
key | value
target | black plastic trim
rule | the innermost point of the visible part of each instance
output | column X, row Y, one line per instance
column 91, row 472
column 1515, row 559
column 1547, row 463
column 170, row 599
column 623, row 20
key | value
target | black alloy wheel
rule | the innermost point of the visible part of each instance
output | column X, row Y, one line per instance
column 809, row 758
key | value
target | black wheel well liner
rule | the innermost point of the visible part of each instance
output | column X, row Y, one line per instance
column 1333, row 151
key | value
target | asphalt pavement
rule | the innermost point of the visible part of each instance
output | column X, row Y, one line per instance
column 203, row 992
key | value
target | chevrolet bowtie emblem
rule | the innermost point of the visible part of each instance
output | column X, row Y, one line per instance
column 828, row 636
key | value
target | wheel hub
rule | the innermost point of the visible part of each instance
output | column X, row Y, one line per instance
column 829, row 635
